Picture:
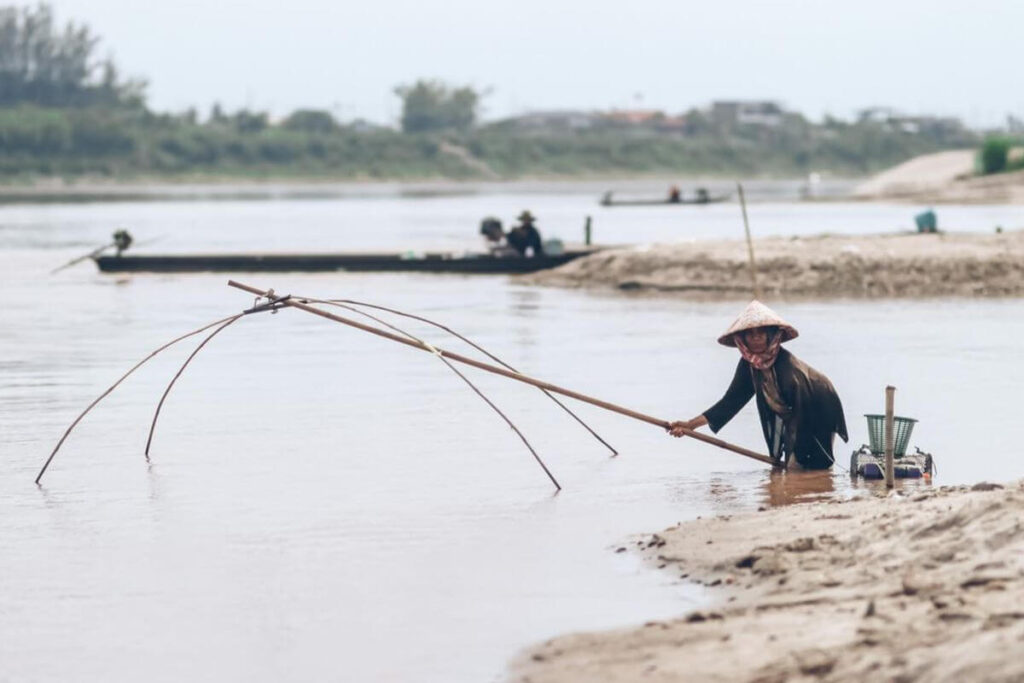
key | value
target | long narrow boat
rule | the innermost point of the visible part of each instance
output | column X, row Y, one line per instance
column 436, row 262
column 711, row 199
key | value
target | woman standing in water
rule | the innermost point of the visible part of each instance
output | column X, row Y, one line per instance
column 799, row 409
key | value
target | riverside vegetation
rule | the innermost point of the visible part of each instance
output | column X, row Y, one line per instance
column 65, row 113
column 997, row 155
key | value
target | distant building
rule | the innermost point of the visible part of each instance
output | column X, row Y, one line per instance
column 674, row 124
column 634, row 117
column 933, row 124
column 894, row 120
column 747, row 112
column 552, row 120
column 364, row 126
column 877, row 115
column 654, row 119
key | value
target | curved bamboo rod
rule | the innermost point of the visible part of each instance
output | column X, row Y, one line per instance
column 156, row 414
column 451, row 367
column 478, row 348
column 115, row 385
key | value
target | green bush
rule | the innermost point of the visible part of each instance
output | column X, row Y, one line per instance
column 36, row 131
column 995, row 152
column 310, row 121
column 98, row 133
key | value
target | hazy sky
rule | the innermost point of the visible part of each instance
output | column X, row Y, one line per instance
column 920, row 56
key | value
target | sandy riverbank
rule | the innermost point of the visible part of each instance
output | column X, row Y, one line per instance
column 928, row 586
column 943, row 178
column 898, row 265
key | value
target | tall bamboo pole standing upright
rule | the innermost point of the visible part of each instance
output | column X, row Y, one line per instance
column 750, row 243
column 890, row 393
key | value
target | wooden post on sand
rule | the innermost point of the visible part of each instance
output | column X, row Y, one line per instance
column 750, row 243
column 890, row 393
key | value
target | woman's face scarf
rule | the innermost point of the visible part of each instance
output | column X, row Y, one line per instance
column 764, row 359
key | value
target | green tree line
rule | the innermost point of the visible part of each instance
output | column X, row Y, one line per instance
column 49, row 141
column 44, row 65
column 64, row 111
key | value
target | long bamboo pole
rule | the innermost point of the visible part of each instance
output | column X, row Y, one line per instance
column 467, row 341
column 750, row 243
column 475, row 388
column 664, row 424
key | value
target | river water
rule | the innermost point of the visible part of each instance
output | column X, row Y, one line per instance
column 321, row 504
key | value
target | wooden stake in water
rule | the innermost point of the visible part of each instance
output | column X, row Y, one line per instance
column 750, row 243
column 890, row 393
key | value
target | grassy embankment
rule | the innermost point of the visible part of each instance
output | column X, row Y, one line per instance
column 125, row 144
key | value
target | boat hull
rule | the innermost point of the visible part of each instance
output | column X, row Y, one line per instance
column 864, row 463
column 422, row 263
column 664, row 202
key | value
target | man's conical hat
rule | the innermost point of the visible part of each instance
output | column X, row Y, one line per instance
column 757, row 314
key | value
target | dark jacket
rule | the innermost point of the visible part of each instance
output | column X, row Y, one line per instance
column 524, row 238
column 814, row 412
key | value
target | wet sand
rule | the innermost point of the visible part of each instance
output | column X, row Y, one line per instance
column 923, row 586
column 829, row 266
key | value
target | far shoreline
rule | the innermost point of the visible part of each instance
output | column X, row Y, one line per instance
column 939, row 178
column 202, row 187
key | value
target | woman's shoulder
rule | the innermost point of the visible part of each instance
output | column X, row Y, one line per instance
column 786, row 357
column 788, row 364
column 797, row 366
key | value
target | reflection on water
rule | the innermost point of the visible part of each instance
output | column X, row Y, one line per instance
column 797, row 486
column 877, row 486
column 525, row 300
column 806, row 486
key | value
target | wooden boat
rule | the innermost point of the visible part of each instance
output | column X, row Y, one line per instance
column 435, row 262
column 607, row 200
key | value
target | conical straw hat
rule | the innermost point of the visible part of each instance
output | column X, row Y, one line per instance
column 757, row 314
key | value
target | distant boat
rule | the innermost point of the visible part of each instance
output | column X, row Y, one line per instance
column 435, row 262
column 699, row 198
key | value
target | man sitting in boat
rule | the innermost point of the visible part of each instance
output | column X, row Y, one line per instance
column 525, row 237
column 799, row 408
column 674, row 195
